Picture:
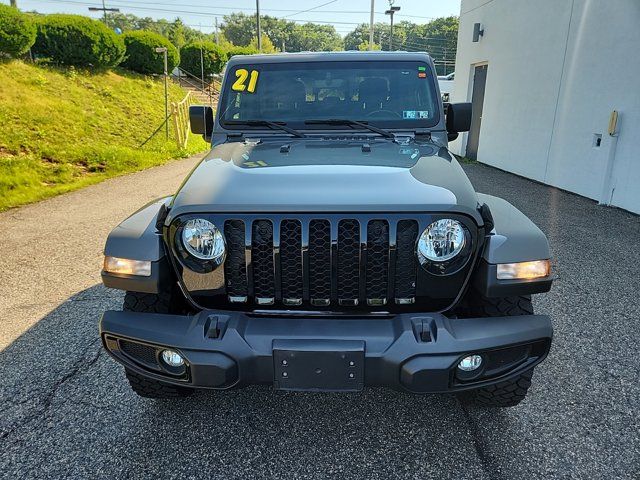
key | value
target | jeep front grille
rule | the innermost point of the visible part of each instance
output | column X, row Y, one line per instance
column 320, row 262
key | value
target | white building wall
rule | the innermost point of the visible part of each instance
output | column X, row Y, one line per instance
column 556, row 70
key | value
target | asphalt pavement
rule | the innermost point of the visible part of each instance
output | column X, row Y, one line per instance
column 66, row 410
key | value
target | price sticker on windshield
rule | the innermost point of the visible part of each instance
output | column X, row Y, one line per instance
column 246, row 81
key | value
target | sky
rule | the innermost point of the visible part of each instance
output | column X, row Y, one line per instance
column 343, row 14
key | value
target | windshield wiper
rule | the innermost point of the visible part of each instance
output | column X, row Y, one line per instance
column 265, row 123
column 346, row 121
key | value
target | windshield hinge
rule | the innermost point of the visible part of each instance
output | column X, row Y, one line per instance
column 403, row 138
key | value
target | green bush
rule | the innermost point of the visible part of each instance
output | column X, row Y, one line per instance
column 141, row 53
column 17, row 31
column 233, row 50
column 214, row 58
column 76, row 40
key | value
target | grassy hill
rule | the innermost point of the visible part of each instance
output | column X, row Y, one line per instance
column 62, row 129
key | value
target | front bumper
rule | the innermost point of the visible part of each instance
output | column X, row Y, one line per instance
column 412, row 352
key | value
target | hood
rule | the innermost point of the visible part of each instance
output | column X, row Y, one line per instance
column 326, row 175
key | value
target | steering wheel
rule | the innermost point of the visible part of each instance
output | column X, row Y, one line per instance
column 378, row 112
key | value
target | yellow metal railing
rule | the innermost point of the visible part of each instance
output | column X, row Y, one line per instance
column 180, row 115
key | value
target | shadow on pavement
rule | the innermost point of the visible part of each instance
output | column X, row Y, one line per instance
column 68, row 411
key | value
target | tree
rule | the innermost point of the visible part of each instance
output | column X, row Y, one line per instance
column 239, row 28
column 441, row 38
column 438, row 38
column 361, row 35
column 311, row 37
column 285, row 35
column 176, row 31
column 176, row 34
column 267, row 45
column 364, row 46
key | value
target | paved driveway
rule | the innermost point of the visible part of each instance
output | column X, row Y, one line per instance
column 66, row 410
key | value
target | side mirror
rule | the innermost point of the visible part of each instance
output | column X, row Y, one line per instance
column 201, row 120
column 458, row 117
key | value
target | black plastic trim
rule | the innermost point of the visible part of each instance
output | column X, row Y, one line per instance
column 242, row 353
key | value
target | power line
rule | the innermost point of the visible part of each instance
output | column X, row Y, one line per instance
column 128, row 4
column 188, row 12
column 339, row 29
column 283, row 10
column 309, row 9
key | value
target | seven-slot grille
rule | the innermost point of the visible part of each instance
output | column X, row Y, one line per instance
column 320, row 262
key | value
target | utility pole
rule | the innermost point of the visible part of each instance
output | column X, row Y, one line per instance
column 371, row 26
column 217, row 37
column 392, row 10
column 258, row 25
column 14, row 3
column 104, row 10
column 163, row 50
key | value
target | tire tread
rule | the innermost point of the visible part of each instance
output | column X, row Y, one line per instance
column 148, row 388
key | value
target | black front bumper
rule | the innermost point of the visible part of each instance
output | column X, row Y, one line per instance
column 414, row 352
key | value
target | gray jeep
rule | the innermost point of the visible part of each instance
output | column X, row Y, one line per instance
column 327, row 242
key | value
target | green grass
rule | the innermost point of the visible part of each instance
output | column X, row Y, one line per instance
column 62, row 129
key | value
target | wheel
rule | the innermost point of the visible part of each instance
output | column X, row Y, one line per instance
column 508, row 393
column 504, row 394
column 480, row 306
column 148, row 388
column 146, row 302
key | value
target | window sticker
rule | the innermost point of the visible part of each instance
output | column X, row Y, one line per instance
column 241, row 84
column 415, row 114
column 422, row 72
column 259, row 163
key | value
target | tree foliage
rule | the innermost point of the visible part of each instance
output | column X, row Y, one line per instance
column 77, row 40
column 438, row 38
column 285, row 35
column 213, row 57
column 141, row 55
column 177, row 32
column 17, row 31
column 267, row 45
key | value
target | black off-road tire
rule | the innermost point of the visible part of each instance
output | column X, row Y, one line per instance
column 508, row 393
column 171, row 301
column 148, row 388
column 500, row 307
column 147, row 302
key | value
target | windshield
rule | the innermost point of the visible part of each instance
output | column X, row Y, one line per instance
column 390, row 94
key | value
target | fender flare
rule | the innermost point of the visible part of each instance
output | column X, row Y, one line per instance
column 514, row 238
column 137, row 238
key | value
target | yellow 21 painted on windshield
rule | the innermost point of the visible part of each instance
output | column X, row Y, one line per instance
column 241, row 85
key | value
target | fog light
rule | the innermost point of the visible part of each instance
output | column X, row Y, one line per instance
column 470, row 363
column 173, row 359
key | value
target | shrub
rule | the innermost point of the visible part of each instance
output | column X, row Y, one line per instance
column 141, row 53
column 17, row 31
column 233, row 50
column 76, row 40
column 214, row 58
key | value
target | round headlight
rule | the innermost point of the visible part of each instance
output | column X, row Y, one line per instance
column 441, row 241
column 202, row 239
